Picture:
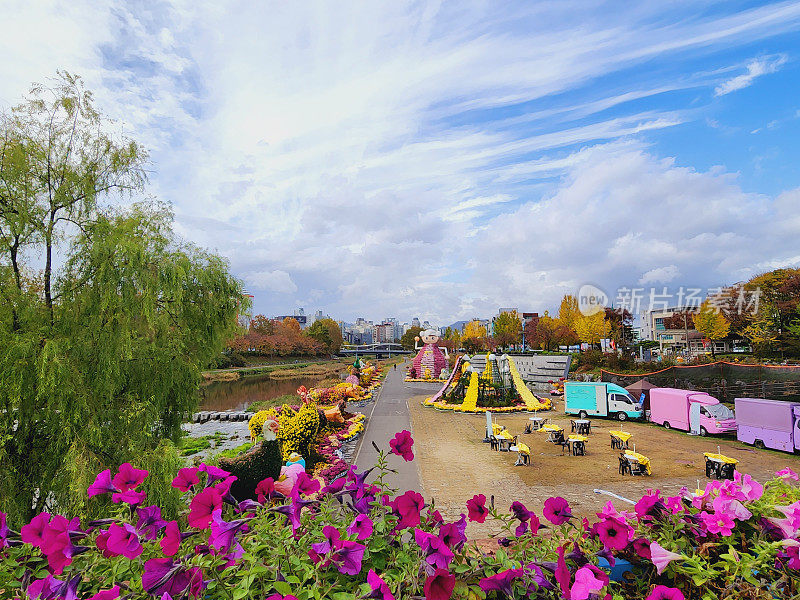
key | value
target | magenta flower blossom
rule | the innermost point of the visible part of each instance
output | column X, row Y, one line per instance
column 361, row 527
column 439, row 586
column 165, row 576
column 202, row 506
column 749, row 486
column 454, row 534
column 122, row 540
column 186, row 479
column 3, row 530
column 102, row 484
column 109, row 594
column 502, row 582
column 526, row 518
column 171, row 540
column 265, row 490
column 214, row 473
column 661, row 557
column 332, row 536
column 408, row 507
column 131, row 497
column 562, row 573
column 674, row 504
column 33, row 531
column 662, row 592
column 223, row 533
column 307, row 485
column 380, row 589
column 792, row 512
column 787, row 473
column 556, row 510
column 434, row 550
column 642, row 548
column 51, row 588
column 476, row 508
column 128, row 478
column 348, row 557
column 650, row 507
column 150, row 522
column 585, row 584
column 402, row 444
column 614, row 534
column 717, row 522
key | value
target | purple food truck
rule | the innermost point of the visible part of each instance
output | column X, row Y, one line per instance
column 768, row 423
column 692, row 411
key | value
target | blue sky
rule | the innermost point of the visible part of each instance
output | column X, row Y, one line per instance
column 443, row 159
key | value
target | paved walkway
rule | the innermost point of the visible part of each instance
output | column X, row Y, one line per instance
column 389, row 415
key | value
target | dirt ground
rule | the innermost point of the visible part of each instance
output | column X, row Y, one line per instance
column 455, row 464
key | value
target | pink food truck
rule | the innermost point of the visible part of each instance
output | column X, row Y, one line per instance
column 696, row 412
column 768, row 423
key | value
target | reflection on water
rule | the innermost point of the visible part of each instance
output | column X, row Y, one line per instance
column 237, row 395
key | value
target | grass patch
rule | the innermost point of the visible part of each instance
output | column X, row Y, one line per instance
column 230, row 453
column 192, row 445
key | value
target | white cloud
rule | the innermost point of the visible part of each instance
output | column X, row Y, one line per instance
column 755, row 68
column 660, row 275
column 273, row 281
column 424, row 157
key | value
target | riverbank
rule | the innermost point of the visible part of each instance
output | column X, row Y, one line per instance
column 296, row 368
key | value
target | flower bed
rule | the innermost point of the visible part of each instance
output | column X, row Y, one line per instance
column 522, row 407
column 351, row 539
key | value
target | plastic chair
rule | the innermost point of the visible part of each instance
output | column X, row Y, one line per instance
column 573, row 424
column 624, row 466
column 579, row 448
column 494, row 443
column 616, row 442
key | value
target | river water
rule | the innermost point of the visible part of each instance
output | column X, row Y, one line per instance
column 237, row 395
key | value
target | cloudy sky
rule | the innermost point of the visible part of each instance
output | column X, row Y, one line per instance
column 442, row 159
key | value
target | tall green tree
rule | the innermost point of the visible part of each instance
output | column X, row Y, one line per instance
column 107, row 318
column 507, row 328
column 328, row 333
column 407, row 341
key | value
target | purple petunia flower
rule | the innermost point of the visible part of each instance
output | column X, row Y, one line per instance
column 662, row 592
column 476, row 508
column 150, row 522
column 380, row 589
column 165, row 576
column 223, row 533
column 435, row 551
column 502, row 582
column 348, row 557
column 123, row 540
column 454, row 534
column 102, row 484
column 361, row 527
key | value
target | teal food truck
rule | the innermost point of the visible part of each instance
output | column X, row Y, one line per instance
column 600, row 399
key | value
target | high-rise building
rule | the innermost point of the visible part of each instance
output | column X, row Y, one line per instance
column 415, row 322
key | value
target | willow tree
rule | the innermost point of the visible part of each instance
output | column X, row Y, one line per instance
column 107, row 317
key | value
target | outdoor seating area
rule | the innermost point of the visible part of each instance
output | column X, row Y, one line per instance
column 619, row 439
column 719, row 466
column 633, row 463
column 581, row 426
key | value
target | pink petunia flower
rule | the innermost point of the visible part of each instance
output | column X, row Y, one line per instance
column 109, row 594
column 265, row 490
column 585, row 584
column 214, row 473
column 749, row 486
column 402, row 444
column 439, row 586
column 614, row 534
column 202, row 506
column 454, row 534
column 718, row 522
column 407, row 507
column 380, row 589
column 476, row 508
column 556, row 510
column 787, row 473
column 131, row 497
column 661, row 557
column 171, row 540
column 123, row 540
column 33, row 531
column 186, row 479
column 662, row 592
column 128, row 478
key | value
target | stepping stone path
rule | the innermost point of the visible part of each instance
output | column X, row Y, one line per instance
column 224, row 415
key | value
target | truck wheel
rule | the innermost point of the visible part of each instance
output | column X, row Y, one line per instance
column 759, row 444
column 582, row 414
column 621, row 416
column 703, row 432
column 666, row 425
